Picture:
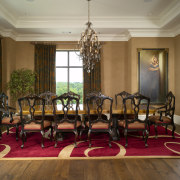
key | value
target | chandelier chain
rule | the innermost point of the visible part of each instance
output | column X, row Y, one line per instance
column 89, row 46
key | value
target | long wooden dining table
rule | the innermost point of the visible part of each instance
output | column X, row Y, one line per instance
column 117, row 114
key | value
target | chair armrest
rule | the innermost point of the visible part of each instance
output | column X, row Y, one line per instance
column 160, row 110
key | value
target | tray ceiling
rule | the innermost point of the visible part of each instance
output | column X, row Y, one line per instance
column 64, row 20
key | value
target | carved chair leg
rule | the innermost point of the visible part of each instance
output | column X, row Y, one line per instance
column 125, row 135
column 55, row 139
column 17, row 132
column 110, row 138
column 143, row 134
column 25, row 136
column 118, row 133
column 22, row 138
column 156, row 133
column 166, row 129
column 0, row 134
column 42, row 140
column 89, row 138
column 174, row 128
column 80, row 134
column 7, row 130
column 147, row 134
column 51, row 138
column 76, row 135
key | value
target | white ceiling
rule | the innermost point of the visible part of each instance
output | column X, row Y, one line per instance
column 64, row 20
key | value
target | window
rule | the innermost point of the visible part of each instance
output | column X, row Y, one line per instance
column 69, row 73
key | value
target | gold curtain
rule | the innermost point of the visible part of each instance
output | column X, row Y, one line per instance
column 0, row 66
column 92, row 80
column 45, row 68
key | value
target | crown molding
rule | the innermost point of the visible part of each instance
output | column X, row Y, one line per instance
column 150, row 33
column 176, row 30
column 8, row 33
column 9, row 17
column 170, row 13
column 102, row 37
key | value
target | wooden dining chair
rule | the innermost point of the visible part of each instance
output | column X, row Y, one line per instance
column 119, row 118
column 7, row 116
column 67, row 122
column 138, row 102
column 92, row 116
column 29, row 123
column 99, row 124
column 164, row 115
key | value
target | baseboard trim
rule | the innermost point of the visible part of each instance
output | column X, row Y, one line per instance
column 177, row 119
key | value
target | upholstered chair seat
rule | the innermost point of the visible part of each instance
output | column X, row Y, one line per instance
column 16, row 119
column 156, row 119
column 7, row 116
column 99, row 125
column 35, row 126
column 66, row 125
column 134, row 125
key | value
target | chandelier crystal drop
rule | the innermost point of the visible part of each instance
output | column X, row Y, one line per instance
column 89, row 46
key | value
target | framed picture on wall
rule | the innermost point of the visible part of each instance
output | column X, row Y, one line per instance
column 153, row 74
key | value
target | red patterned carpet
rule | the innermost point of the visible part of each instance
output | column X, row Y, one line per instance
column 164, row 146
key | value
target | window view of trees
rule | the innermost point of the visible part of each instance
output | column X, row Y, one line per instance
column 69, row 73
column 76, row 87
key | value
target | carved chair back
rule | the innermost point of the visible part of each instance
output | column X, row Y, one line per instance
column 5, row 109
column 65, row 100
column 48, row 96
column 99, row 100
column 32, row 102
column 139, row 102
column 170, row 105
column 123, row 95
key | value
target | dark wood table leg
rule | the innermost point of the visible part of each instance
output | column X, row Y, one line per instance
column 115, row 135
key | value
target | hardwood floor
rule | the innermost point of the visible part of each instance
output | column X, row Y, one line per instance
column 125, row 169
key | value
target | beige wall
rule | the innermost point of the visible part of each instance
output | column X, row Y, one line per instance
column 24, row 55
column 177, row 74
column 113, row 67
column 119, row 64
column 8, row 60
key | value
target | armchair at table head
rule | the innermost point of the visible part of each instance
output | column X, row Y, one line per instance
column 28, row 122
column 99, row 124
column 164, row 115
column 7, row 117
column 67, row 122
column 136, row 124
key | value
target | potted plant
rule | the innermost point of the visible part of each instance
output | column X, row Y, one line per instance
column 21, row 83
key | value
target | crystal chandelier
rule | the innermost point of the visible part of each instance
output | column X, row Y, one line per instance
column 89, row 46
